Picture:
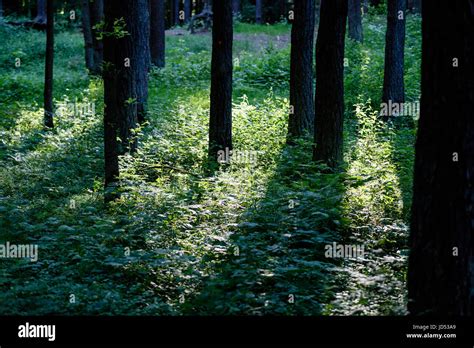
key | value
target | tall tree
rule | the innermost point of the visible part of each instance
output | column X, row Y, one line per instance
column 355, row 20
column 125, row 22
column 440, row 270
column 187, row 10
column 393, row 84
column 220, row 123
column 175, row 12
column 48, row 75
column 258, row 12
column 329, row 104
column 40, row 12
column 139, row 24
column 157, row 32
column 97, row 17
column 301, row 68
column 87, row 32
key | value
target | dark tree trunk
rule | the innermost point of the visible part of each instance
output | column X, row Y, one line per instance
column 236, row 6
column 1, row 9
column 355, row 20
column 97, row 16
column 301, row 69
column 48, row 75
column 440, row 278
column 157, row 32
column 139, row 24
column 187, row 10
column 393, row 85
column 41, row 12
column 175, row 12
column 120, row 87
column 258, row 12
column 87, row 31
column 220, row 123
column 329, row 105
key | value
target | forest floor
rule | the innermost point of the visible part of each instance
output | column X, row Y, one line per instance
column 250, row 239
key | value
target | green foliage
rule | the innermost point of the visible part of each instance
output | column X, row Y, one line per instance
column 239, row 242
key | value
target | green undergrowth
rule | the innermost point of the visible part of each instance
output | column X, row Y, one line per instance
column 249, row 240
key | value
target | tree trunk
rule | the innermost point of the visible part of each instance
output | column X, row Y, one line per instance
column 236, row 6
column 220, row 123
column 40, row 12
column 175, row 12
column 120, row 87
column 301, row 69
column 441, row 262
column 329, row 104
column 48, row 75
column 258, row 12
column 157, row 32
column 1, row 10
column 87, row 31
column 97, row 16
column 187, row 10
column 139, row 24
column 355, row 20
column 393, row 85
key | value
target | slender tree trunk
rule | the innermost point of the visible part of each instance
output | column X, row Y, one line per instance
column 48, row 80
column 393, row 85
column 40, row 12
column 258, row 12
column 441, row 262
column 329, row 104
column 355, row 20
column 86, row 29
column 187, row 10
column 301, row 69
column 97, row 16
column 1, row 10
column 139, row 24
column 175, row 12
column 120, row 79
column 157, row 32
column 220, row 124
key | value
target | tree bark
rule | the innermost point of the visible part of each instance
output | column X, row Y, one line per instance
column 175, row 12
column 393, row 84
column 48, row 80
column 220, row 123
column 355, row 21
column 87, row 32
column 187, row 10
column 157, row 32
column 120, row 85
column 139, row 24
column 40, row 12
column 441, row 278
column 97, row 16
column 329, row 104
column 301, row 69
column 258, row 12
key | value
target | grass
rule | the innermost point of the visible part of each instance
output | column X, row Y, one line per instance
column 242, row 242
